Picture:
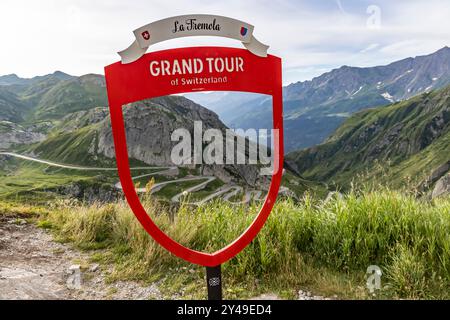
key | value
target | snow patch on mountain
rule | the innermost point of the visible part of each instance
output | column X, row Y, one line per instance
column 388, row 97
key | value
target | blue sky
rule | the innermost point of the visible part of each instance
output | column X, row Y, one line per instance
column 312, row 37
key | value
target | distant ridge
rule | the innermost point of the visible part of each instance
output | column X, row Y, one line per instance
column 393, row 144
column 314, row 109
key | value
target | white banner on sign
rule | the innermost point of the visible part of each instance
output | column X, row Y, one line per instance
column 192, row 25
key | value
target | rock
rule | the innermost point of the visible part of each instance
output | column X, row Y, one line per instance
column 288, row 193
column 266, row 296
column 74, row 280
column 77, row 120
column 333, row 195
column 307, row 295
column 94, row 267
column 15, row 134
column 437, row 174
column 73, row 268
column 97, row 191
column 442, row 187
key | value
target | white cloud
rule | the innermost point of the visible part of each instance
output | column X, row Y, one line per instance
column 311, row 36
column 370, row 47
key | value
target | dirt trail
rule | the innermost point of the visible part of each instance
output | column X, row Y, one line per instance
column 33, row 266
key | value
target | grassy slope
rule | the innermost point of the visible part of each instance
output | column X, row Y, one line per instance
column 357, row 148
column 322, row 246
column 31, row 181
column 68, row 147
column 70, row 96
column 11, row 108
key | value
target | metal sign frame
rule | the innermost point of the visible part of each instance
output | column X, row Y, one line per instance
column 132, row 82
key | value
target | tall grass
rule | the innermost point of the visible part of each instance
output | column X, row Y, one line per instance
column 316, row 243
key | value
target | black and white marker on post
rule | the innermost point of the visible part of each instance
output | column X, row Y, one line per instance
column 214, row 282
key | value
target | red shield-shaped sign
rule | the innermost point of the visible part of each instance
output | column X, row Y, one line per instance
column 127, row 83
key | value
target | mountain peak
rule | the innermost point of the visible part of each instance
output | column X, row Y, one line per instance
column 11, row 75
column 92, row 75
column 61, row 75
column 9, row 79
column 445, row 50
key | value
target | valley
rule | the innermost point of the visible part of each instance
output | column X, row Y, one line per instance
column 201, row 182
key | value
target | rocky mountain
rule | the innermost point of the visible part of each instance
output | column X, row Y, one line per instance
column 149, row 125
column 314, row 109
column 85, row 137
column 404, row 141
column 65, row 118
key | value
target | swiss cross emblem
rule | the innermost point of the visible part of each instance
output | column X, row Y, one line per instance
column 145, row 35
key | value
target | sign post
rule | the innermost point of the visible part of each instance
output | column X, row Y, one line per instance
column 214, row 282
column 142, row 76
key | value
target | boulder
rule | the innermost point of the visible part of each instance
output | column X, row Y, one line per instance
column 442, row 187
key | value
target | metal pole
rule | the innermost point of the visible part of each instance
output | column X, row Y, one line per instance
column 214, row 282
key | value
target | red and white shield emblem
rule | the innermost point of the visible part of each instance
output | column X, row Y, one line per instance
column 146, row 35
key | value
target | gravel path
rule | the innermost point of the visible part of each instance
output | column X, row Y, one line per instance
column 33, row 266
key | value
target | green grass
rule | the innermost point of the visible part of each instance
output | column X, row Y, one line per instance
column 21, row 210
column 70, row 147
column 32, row 178
column 299, row 185
column 315, row 245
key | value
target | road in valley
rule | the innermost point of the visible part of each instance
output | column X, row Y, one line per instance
column 168, row 171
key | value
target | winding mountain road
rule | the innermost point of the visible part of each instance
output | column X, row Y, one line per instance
column 69, row 166
column 223, row 191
